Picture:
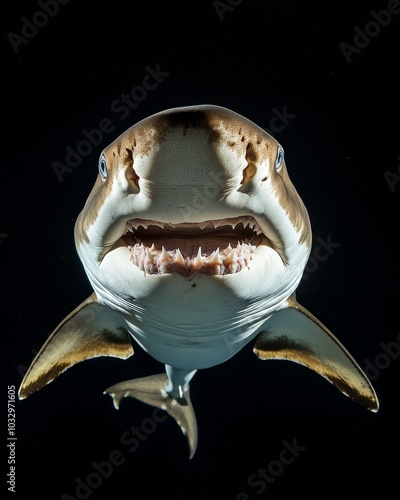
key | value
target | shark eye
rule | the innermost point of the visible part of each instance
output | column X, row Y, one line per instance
column 279, row 158
column 103, row 167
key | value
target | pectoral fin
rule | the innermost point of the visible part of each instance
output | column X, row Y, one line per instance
column 296, row 335
column 91, row 330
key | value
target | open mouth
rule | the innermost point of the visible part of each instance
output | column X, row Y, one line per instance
column 222, row 246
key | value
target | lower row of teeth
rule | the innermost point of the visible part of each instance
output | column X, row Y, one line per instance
column 227, row 261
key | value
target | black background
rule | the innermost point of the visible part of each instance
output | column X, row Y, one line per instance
column 261, row 56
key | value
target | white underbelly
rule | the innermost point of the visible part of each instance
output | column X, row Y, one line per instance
column 193, row 346
column 194, row 321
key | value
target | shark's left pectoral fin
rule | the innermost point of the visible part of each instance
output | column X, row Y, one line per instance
column 91, row 330
column 296, row 335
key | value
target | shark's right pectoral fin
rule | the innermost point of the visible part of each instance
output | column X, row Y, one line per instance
column 296, row 335
column 91, row 330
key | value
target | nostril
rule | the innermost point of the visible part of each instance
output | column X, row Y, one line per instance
column 248, row 173
column 251, row 157
column 133, row 179
column 131, row 175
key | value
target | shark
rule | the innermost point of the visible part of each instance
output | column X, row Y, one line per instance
column 194, row 240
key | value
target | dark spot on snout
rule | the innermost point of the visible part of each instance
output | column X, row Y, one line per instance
column 251, row 155
column 190, row 118
column 198, row 119
column 129, row 154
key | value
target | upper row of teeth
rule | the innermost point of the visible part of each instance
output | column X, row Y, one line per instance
column 133, row 224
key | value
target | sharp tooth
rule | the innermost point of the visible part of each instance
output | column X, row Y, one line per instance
column 215, row 258
column 164, row 254
column 198, row 259
column 179, row 258
column 202, row 225
column 234, row 267
column 231, row 257
column 217, row 223
column 211, row 256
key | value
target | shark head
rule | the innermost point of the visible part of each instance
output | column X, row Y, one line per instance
column 193, row 191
